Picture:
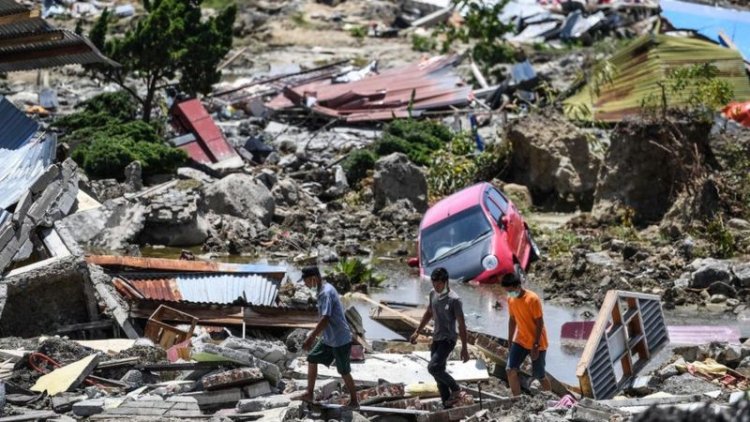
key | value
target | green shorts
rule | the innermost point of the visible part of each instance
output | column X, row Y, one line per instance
column 325, row 355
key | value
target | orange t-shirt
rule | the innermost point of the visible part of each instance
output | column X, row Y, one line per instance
column 525, row 310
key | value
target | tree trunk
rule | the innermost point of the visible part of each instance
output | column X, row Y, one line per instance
column 148, row 103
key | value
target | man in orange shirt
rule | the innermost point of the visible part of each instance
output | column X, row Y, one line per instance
column 526, row 331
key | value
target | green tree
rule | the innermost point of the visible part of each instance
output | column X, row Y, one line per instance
column 170, row 41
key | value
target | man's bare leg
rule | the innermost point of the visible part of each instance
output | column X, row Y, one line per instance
column 514, row 382
column 312, row 376
column 349, row 382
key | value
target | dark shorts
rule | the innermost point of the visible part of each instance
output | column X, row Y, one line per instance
column 326, row 355
column 518, row 354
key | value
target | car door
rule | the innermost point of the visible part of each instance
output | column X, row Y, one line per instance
column 515, row 226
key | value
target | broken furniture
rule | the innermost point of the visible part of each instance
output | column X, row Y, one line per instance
column 629, row 330
column 167, row 335
column 208, row 145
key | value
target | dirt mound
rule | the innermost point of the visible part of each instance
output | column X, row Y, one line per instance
column 649, row 164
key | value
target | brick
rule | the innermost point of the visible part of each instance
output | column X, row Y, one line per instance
column 256, row 390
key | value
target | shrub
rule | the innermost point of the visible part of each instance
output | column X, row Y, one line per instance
column 350, row 272
column 418, row 139
column 84, row 119
column 106, row 157
column 357, row 163
column 423, row 44
column 119, row 105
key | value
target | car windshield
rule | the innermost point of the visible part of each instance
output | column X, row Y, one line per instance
column 453, row 234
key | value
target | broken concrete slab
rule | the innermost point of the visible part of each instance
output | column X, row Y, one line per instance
column 87, row 408
column 256, row 390
column 45, row 179
column 217, row 398
column 206, row 352
column 232, row 378
column 22, row 208
column 64, row 378
column 262, row 403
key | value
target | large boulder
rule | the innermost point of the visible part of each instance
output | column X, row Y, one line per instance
column 709, row 271
column 241, row 195
column 110, row 227
column 553, row 159
column 397, row 178
column 173, row 219
column 649, row 164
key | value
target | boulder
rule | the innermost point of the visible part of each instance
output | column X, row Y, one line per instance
column 241, row 195
column 286, row 193
column 721, row 288
column 397, row 178
column 188, row 173
column 270, row 351
column 519, row 194
column 173, row 219
column 553, row 159
column 742, row 274
column 708, row 271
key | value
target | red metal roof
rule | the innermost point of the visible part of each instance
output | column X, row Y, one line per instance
column 426, row 85
column 454, row 204
column 209, row 146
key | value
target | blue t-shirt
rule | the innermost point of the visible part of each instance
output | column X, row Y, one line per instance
column 337, row 331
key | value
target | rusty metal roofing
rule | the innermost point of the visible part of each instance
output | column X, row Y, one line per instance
column 178, row 265
column 430, row 84
column 222, row 289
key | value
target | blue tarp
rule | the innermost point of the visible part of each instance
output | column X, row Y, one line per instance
column 709, row 21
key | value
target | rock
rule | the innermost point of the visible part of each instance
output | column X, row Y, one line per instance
column 742, row 273
column 738, row 224
column 682, row 283
column 295, row 339
column 110, row 227
column 88, row 407
column 709, row 271
column 397, row 178
column 718, row 298
column 691, row 353
column 553, row 159
column 256, row 390
column 286, row 193
column 648, row 164
column 173, row 219
column 268, row 177
column 726, row 354
column 262, row 403
column 599, row 258
column 401, row 210
column 189, row 173
column 686, row 384
column 519, row 194
column 241, row 195
column 270, row 371
column 269, row 351
column 134, row 378
column 722, row 288
column 133, row 177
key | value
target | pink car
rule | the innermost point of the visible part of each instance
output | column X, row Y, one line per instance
column 476, row 234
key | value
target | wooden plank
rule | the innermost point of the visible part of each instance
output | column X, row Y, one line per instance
column 19, row 17
column 67, row 377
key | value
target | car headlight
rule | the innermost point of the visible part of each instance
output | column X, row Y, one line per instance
column 489, row 262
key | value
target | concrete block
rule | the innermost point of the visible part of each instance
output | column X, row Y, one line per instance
column 22, row 207
column 739, row 395
column 45, row 179
column 218, row 398
column 24, row 252
column 64, row 403
column 88, row 407
column 184, row 414
column 232, row 378
column 262, row 403
column 6, row 233
column 207, row 351
column 182, row 399
column 256, row 390
column 40, row 207
column 137, row 411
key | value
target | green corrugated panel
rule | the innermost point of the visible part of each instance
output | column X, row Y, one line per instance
column 640, row 65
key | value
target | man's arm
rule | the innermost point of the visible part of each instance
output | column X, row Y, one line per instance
column 462, row 334
column 319, row 327
column 425, row 319
column 537, row 335
column 511, row 328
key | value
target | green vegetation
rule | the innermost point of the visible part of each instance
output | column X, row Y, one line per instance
column 171, row 41
column 358, row 32
column 423, row 44
column 484, row 30
column 699, row 89
column 357, row 164
column 353, row 273
column 418, row 139
column 104, row 138
column 722, row 243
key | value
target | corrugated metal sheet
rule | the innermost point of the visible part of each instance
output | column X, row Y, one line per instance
column 24, row 157
column 71, row 49
column 10, row 7
column 17, row 128
column 211, row 146
column 430, row 84
column 208, row 288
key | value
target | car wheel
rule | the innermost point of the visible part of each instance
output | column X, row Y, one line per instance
column 520, row 273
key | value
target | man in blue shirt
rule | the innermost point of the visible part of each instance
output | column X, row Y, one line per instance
column 336, row 344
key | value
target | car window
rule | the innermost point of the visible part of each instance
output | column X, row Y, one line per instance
column 494, row 210
column 453, row 234
column 499, row 200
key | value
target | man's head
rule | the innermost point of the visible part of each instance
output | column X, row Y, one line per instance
column 311, row 276
column 439, row 279
column 512, row 285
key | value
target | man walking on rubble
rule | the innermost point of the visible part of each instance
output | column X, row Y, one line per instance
column 336, row 343
column 526, row 332
column 446, row 310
